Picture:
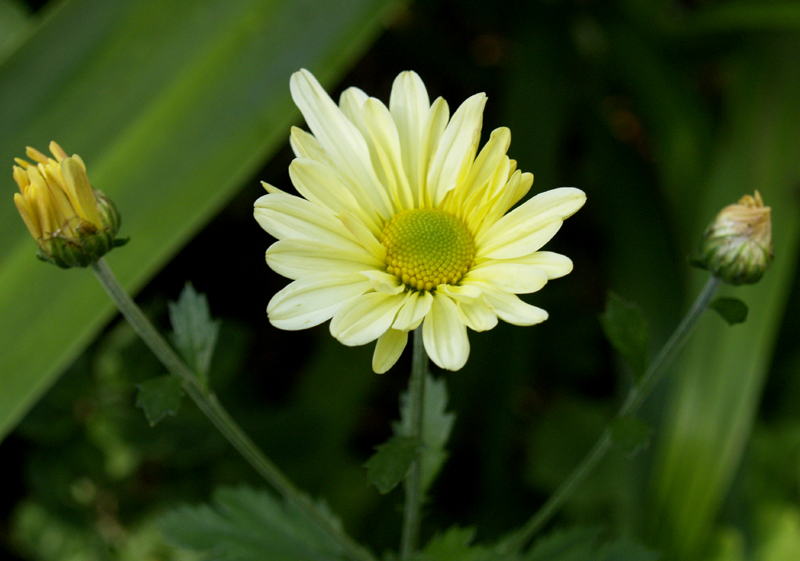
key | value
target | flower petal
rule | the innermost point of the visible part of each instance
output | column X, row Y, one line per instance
column 340, row 138
column 511, row 276
column 295, row 259
column 477, row 315
column 312, row 300
column 388, row 349
column 456, row 148
column 363, row 234
column 498, row 241
column 384, row 282
column 285, row 216
column 366, row 318
column 319, row 183
column 409, row 105
column 445, row 335
column 509, row 307
column 413, row 311
column 386, row 141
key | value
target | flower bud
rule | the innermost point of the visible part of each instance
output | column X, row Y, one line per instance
column 73, row 224
column 737, row 246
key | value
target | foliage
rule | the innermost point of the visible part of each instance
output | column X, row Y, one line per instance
column 662, row 112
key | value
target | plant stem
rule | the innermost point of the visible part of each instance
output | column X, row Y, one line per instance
column 413, row 482
column 636, row 396
column 219, row 417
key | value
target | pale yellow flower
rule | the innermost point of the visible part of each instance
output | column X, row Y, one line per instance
column 402, row 222
column 73, row 224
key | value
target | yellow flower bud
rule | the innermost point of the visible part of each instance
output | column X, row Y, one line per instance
column 737, row 246
column 73, row 224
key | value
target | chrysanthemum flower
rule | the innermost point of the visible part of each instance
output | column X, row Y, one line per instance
column 402, row 222
column 73, row 224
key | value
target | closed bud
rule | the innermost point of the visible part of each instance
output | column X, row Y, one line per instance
column 73, row 224
column 737, row 246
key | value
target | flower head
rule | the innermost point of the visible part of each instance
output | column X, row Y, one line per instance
column 402, row 222
column 737, row 246
column 73, row 224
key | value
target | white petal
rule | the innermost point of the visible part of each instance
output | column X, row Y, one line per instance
column 295, row 259
column 388, row 349
column 528, row 242
column 384, row 282
column 312, row 300
column 538, row 212
column 486, row 164
column 366, row 318
column 340, row 138
column 409, row 105
column 477, row 315
column 445, row 335
column 432, row 132
column 460, row 293
column 413, row 311
column 285, row 216
column 317, row 182
column 456, row 148
column 510, row 308
column 383, row 133
column 519, row 278
column 363, row 234
column 554, row 265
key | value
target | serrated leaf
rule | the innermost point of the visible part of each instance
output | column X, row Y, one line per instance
column 194, row 330
column 581, row 544
column 575, row 544
column 390, row 463
column 626, row 329
column 630, row 434
column 732, row 310
column 159, row 397
column 244, row 524
column 624, row 550
column 454, row 545
column 436, row 427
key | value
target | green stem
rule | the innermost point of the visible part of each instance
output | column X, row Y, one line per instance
column 413, row 482
column 633, row 401
column 219, row 417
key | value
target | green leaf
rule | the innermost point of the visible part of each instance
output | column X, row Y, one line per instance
column 732, row 310
column 389, row 465
column 626, row 329
column 575, row 544
column 630, row 434
column 195, row 332
column 159, row 397
column 436, row 427
column 625, row 550
column 454, row 545
column 581, row 544
column 243, row 524
column 173, row 105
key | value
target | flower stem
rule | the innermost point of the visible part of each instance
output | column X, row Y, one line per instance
column 208, row 403
column 413, row 482
column 633, row 401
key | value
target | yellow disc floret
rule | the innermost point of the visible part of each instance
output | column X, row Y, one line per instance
column 427, row 247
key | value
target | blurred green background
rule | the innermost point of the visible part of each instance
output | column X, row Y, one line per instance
column 661, row 111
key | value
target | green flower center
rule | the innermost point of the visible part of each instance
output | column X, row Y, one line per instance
column 427, row 247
